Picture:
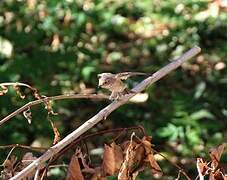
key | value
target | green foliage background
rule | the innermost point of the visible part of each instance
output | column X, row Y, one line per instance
column 60, row 47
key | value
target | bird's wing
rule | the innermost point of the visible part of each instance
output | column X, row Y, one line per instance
column 126, row 75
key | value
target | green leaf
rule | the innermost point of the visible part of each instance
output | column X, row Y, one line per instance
column 203, row 113
column 200, row 88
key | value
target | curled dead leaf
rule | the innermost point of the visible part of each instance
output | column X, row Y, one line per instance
column 98, row 174
column 57, row 135
column 8, row 170
column 112, row 158
column 74, row 170
column 27, row 159
column 18, row 91
column 215, row 155
column 217, row 175
column 49, row 107
column 36, row 94
column 28, row 115
column 133, row 160
column 3, row 90
column 124, row 172
column 202, row 168
column 9, row 163
column 155, row 168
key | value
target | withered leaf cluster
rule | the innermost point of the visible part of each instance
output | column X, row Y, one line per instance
column 124, row 160
column 12, row 166
column 212, row 168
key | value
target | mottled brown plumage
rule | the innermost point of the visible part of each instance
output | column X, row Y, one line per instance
column 114, row 83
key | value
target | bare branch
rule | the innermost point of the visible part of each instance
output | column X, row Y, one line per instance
column 104, row 113
column 52, row 98
column 17, row 84
column 38, row 149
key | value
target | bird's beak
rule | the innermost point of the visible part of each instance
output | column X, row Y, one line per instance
column 100, row 84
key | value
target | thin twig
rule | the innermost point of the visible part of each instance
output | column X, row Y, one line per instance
column 39, row 149
column 174, row 164
column 36, row 175
column 104, row 113
column 52, row 98
column 59, row 165
column 9, row 154
column 179, row 175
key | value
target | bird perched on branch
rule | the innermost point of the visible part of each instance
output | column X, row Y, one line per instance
column 115, row 84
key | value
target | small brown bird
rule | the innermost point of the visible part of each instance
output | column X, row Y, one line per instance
column 114, row 83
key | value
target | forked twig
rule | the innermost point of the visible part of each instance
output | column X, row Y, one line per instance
column 104, row 113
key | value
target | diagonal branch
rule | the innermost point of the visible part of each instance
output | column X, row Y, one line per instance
column 104, row 113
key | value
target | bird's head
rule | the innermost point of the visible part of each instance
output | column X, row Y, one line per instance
column 106, row 80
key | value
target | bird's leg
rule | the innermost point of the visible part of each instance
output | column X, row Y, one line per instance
column 117, row 95
column 113, row 96
column 128, row 91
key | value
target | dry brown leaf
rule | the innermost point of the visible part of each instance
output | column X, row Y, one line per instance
column 146, row 141
column 3, row 90
column 57, row 136
column 202, row 168
column 49, row 108
column 138, row 153
column 27, row 159
column 125, row 144
column 215, row 155
column 216, row 175
column 136, row 164
column 82, row 159
column 124, row 173
column 112, row 158
column 140, row 156
column 155, row 168
column 98, row 174
column 133, row 161
column 18, row 91
column 36, row 94
column 8, row 171
column 28, row 115
column 74, row 171
column 5, row 175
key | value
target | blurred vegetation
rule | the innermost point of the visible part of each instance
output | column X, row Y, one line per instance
column 60, row 46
